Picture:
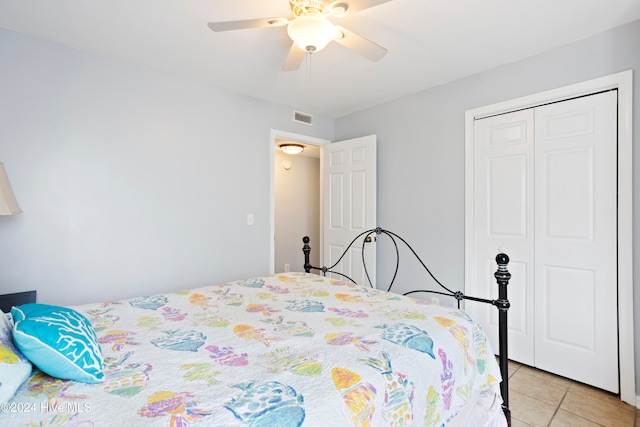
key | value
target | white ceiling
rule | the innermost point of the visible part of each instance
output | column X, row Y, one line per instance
column 430, row 42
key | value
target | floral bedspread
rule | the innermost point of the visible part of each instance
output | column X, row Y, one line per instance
column 285, row 350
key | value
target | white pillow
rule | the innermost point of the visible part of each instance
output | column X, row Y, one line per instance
column 14, row 367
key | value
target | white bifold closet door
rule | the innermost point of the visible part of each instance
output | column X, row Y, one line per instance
column 545, row 194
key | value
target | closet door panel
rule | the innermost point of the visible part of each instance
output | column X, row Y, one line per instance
column 575, row 240
column 569, row 196
column 503, row 205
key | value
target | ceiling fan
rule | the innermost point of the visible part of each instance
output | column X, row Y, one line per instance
column 311, row 28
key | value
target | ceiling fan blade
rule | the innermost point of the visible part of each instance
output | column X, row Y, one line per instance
column 358, row 5
column 294, row 58
column 248, row 23
column 359, row 44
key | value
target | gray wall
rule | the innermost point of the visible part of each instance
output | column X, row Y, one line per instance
column 421, row 147
column 132, row 182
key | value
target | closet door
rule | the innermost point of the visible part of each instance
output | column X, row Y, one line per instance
column 504, row 220
column 545, row 193
column 576, row 332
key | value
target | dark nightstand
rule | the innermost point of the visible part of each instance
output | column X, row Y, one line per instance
column 9, row 300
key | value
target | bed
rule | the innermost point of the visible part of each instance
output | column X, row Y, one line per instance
column 293, row 349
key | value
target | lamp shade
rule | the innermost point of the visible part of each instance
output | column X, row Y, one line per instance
column 8, row 203
column 311, row 32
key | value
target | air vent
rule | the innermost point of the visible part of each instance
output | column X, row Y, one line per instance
column 303, row 118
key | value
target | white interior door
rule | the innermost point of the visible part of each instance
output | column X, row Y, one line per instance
column 349, row 186
column 504, row 209
column 575, row 240
column 545, row 193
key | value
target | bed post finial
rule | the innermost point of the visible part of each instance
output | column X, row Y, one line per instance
column 307, row 250
column 503, row 260
column 502, row 276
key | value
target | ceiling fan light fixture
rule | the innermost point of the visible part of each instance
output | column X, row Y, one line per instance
column 292, row 148
column 311, row 32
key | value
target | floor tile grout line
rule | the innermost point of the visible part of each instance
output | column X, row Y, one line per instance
column 559, row 404
column 577, row 415
column 516, row 368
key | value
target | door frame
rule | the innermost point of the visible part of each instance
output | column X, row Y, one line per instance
column 302, row 139
column 623, row 82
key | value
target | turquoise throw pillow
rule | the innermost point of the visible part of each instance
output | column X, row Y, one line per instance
column 58, row 340
column 14, row 367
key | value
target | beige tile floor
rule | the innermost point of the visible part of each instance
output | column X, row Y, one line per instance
column 538, row 398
